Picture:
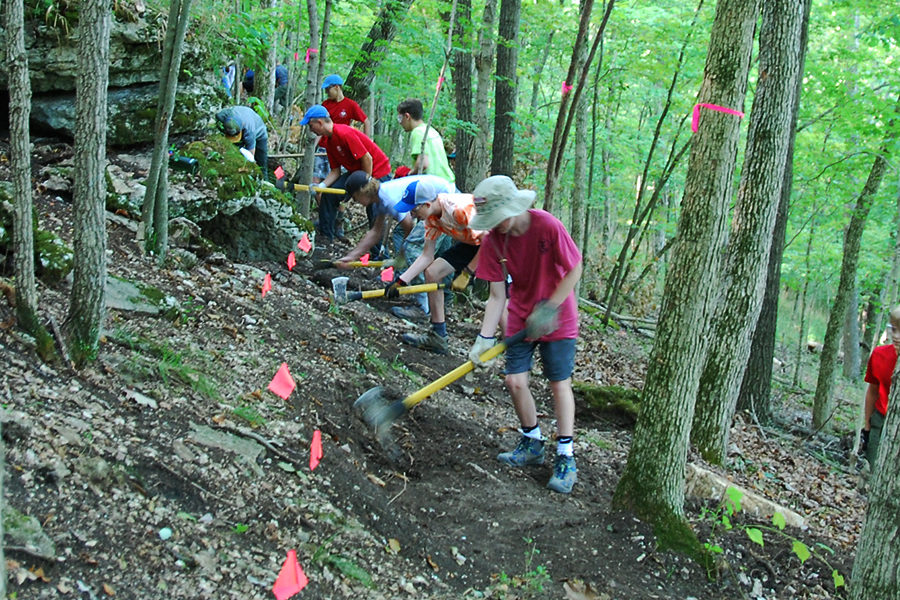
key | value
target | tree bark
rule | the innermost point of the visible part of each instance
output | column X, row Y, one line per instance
column 484, row 66
column 88, row 300
column 889, row 289
column 462, row 67
column 155, row 209
column 823, row 402
column 801, row 341
column 271, row 62
column 20, row 166
column 756, row 388
column 762, row 177
column 653, row 482
column 877, row 560
column 850, row 365
column 580, row 188
column 362, row 73
column 305, row 169
column 504, row 147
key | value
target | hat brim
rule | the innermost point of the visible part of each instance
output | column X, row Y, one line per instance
column 522, row 201
column 402, row 207
column 235, row 138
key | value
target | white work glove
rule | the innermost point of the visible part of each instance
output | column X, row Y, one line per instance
column 543, row 320
column 248, row 155
column 481, row 345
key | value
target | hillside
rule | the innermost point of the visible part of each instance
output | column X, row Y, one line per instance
column 166, row 469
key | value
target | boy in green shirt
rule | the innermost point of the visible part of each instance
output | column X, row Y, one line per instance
column 433, row 159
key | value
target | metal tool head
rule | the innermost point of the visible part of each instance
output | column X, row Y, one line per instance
column 380, row 411
column 339, row 286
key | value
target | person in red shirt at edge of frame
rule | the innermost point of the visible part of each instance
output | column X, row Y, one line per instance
column 348, row 148
column 878, row 376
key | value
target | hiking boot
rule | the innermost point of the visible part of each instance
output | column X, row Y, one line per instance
column 428, row 341
column 564, row 474
column 410, row 313
column 529, row 451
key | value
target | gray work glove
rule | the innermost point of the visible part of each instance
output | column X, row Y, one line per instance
column 481, row 345
column 543, row 320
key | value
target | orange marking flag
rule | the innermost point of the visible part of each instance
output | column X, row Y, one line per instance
column 291, row 579
column 267, row 284
column 291, row 261
column 279, row 172
column 387, row 275
column 315, row 450
column 282, row 384
column 304, row 243
column 364, row 259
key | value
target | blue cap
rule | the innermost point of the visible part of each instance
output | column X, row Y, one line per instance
column 332, row 80
column 316, row 111
column 418, row 192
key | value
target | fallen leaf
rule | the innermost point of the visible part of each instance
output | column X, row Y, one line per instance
column 393, row 546
column 432, row 563
column 108, row 590
column 375, row 479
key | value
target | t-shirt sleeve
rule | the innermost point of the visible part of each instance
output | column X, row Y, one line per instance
column 415, row 140
column 489, row 268
column 357, row 113
column 870, row 374
column 569, row 256
column 356, row 146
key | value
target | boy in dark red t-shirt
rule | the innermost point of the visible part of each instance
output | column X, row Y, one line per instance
column 878, row 375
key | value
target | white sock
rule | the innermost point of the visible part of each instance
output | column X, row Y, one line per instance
column 565, row 448
column 534, row 433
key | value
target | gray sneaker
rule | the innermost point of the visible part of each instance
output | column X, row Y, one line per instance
column 410, row 313
column 428, row 341
column 564, row 474
column 529, row 451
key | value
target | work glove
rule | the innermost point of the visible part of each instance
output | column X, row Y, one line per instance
column 481, row 345
column 543, row 319
column 863, row 441
column 462, row 280
column 393, row 289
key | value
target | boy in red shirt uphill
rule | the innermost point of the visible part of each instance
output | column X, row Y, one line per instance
column 878, row 376
column 534, row 248
column 443, row 214
column 348, row 148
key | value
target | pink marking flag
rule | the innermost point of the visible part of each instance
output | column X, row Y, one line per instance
column 695, row 118
column 387, row 274
column 279, row 172
column 315, row 450
column 304, row 243
column 566, row 88
column 296, row 56
column 364, row 259
column 267, row 284
column 291, row 261
column 310, row 51
column 291, row 579
column 282, row 384
column 439, row 83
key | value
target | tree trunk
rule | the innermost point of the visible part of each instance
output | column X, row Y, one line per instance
column 877, row 560
column 271, row 60
column 484, row 66
column 801, row 341
column 504, row 147
column 88, row 301
column 579, row 188
column 305, row 169
column 155, row 210
column 538, row 71
column 362, row 73
column 889, row 299
column 851, row 336
column 653, row 482
column 823, row 403
column 462, row 67
column 747, row 259
column 756, row 388
column 20, row 167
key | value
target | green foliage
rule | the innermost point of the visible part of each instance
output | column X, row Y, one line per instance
column 250, row 414
column 347, row 566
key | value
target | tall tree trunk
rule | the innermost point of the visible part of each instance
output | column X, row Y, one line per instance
column 480, row 159
column 362, row 73
column 155, row 210
column 268, row 95
column 579, row 188
column 801, row 341
column 850, row 365
column 305, row 169
column 504, row 147
column 88, row 301
column 653, row 482
column 538, row 71
column 20, row 167
column 877, row 560
column 756, row 388
column 462, row 67
column 747, row 255
column 889, row 289
column 823, row 403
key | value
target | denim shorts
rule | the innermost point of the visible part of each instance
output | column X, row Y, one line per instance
column 557, row 356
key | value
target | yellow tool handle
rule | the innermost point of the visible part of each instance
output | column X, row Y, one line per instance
column 299, row 187
column 408, row 289
column 371, row 263
column 489, row 354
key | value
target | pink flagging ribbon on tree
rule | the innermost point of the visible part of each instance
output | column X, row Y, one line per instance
column 440, row 82
column 695, row 119
column 566, row 88
column 310, row 51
